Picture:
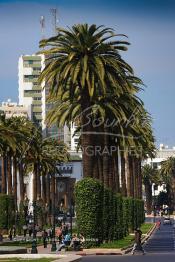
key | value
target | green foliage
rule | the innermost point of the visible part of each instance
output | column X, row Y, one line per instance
column 103, row 215
column 162, row 199
column 89, row 194
column 7, row 211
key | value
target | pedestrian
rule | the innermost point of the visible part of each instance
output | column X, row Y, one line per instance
column 50, row 235
column 1, row 237
column 24, row 230
column 10, row 234
column 30, row 230
column 138, row 244
column 14, row 231
column 45, row 236
column 158, row 224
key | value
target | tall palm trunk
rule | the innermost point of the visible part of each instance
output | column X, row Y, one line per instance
column 128, row 174
column 38, row 186
column 148, row 192
column 86, row 135
column 116, row 173
column 35, row 175
column 53, row 195
column 123, row 174
column 95, row 168
column 100, row 168
column 48, row 198
column 21, row 181
column 106, row 159
column 44, row 188
column 135, row 175
column 9, row 174
column 48, row 189
column 131, row 175
column 3, row 174
column 15, row 181
column 112, row 184
column 139, row 179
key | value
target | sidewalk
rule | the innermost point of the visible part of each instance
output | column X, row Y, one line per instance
column 91, row 251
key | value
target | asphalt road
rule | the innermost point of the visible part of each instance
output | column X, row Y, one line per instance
column 127, row 258
column 162, row 241
column 160, row 247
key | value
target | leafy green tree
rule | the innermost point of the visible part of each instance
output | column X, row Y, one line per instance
column 167, row 173
column 150, row 176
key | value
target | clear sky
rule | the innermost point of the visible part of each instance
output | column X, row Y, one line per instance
column 149, row 24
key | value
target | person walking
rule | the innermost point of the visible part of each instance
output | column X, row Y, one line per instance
column 158, row 224
column 10, row 234
column 138, row 244
column 45, row 237
column 25, row 230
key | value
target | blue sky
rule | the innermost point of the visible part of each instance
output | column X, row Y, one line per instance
column 149, row 24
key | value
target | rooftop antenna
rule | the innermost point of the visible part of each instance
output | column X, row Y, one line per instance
column 54, row 20
column 42, row 23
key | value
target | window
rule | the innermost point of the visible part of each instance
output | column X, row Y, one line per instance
column 36, row 98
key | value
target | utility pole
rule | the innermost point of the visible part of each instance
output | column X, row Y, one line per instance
column 42, row 23
column 54, row 20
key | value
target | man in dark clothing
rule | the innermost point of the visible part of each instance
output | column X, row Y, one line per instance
column 138, row 244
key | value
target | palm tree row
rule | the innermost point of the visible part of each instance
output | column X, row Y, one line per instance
column 24, row 151
column 93, row 87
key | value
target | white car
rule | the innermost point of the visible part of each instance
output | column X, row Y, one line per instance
column 167, row 221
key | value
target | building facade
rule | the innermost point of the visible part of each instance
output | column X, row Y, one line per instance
column 12, row 109
column 162, row 154
column 30, row 91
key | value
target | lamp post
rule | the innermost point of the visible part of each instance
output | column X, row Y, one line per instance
column 34, row 242
column 53, row 248
column 154, row 187
column 71, row 220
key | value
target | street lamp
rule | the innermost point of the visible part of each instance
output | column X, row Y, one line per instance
column 154, row 188
column 71, row 215
column 53, row 248
column 34, row 242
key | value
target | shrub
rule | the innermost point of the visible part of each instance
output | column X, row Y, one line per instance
column 89, row 210
column 104, row 215
column 7, row 211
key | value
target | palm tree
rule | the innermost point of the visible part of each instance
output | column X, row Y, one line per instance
column 7, row 144
column 82, row 68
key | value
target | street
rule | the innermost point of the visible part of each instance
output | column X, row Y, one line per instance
column 127, row 258
column 160, row 247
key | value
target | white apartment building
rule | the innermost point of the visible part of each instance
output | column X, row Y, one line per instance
column 32, row 94
column 161, row 154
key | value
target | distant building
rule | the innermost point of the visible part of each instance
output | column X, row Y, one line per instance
column 33, row 94
column 161, row 154
column 12, row 109
column 30, row 91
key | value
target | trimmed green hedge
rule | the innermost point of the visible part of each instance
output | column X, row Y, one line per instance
column 7, row 211
column 89, row 210
column 103, row 216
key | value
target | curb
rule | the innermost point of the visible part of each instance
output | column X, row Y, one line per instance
column 100, row 254
column 69, row 258
column 58, row 258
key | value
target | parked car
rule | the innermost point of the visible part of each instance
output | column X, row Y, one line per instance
column 167, row 221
